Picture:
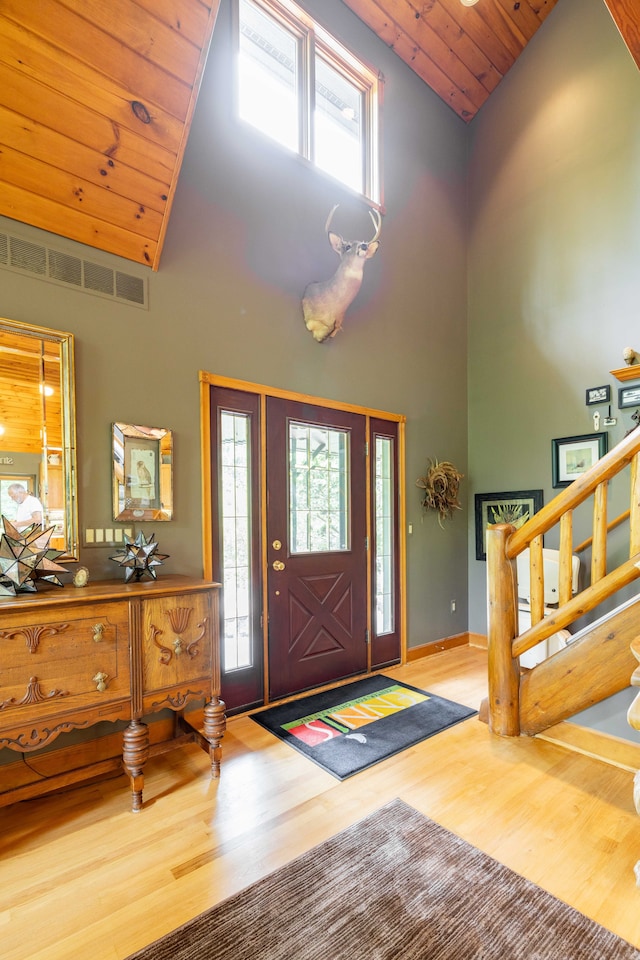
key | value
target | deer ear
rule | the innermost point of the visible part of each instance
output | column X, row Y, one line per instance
column 337, row 243
column 371, row 249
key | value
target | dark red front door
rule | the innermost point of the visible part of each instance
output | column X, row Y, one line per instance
column 316, row 545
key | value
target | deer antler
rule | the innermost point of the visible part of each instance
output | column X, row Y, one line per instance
column 377, row 223
column 330, row 218
column 374, row 214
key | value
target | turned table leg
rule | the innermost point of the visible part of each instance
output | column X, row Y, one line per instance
column 215, row 724
column 135, row 754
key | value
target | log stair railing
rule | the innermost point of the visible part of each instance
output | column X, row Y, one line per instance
column 599, row 661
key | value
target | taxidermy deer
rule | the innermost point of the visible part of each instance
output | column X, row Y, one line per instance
column 325, row 303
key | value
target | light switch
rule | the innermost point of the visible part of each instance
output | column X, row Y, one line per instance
column 88, row 535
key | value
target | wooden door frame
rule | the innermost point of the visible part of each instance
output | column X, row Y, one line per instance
column 208, row 380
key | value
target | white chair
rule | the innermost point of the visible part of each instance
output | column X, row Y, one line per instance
column 551, row 571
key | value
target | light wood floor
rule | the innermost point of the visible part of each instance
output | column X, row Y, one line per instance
column 81, row 878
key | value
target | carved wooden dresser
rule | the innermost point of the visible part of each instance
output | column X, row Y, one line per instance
column 71, row 657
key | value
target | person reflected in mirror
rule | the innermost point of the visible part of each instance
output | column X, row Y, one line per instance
column 29, row 510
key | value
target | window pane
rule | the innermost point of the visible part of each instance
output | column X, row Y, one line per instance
column 236, row 539
column 384, row 585
column 338, row 126
column 268, row 76
column 318, row 489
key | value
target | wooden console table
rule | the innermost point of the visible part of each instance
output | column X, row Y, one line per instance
column 72, row 657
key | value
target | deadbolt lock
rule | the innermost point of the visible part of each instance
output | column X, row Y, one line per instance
column 278, row 565
column 277, row 545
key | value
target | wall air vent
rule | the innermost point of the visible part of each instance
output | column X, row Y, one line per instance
column 56, row 266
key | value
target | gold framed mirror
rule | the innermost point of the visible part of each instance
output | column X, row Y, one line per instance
column 38, row 426
column 142, row 472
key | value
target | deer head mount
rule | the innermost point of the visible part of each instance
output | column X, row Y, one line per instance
column 325, row 303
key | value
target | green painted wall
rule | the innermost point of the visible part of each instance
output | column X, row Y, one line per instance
column 551, row 231
column 554, row 253
column 245, row 237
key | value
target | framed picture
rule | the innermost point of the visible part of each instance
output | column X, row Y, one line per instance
column 573, row 456
column 514, row 506
column 142, row 473
column 598, row 395
column 629, row 397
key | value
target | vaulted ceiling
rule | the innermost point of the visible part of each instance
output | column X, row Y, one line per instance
column 96, row 98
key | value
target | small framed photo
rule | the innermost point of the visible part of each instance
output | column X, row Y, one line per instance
column 573, row 456
column 514, row 506
column 598, row 395
column 629, row 397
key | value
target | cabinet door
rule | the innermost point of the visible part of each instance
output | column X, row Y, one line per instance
column 65, row 670
column 177, row 650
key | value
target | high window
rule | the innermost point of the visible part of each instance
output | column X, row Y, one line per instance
column 302, row 88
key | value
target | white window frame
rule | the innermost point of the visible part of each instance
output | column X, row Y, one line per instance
column 314, row 41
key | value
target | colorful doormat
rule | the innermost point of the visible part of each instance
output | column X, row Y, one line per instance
column 350, row 728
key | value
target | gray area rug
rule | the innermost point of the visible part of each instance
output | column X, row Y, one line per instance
column 394, row 886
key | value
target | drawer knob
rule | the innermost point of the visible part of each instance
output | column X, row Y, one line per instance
column 98, row 632
column 100, row 681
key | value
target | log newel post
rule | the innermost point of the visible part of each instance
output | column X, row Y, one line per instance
column 504, row 671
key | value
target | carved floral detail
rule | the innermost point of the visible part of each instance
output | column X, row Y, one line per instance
column 33, row 695
column 179, row 618
column 178, row 700
column 41, row 736
column 179, row 621
column 33, row 635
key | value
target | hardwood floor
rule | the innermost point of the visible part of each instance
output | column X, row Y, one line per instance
column 81, row 877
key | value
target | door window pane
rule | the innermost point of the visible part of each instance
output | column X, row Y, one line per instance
column 318, row 489
column 384, row 566
column 236, row 540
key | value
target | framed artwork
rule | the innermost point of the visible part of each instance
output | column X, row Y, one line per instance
column 629, row 397
column 513, row 506
column 142, row 473
column 598, row 395
column 573, row 456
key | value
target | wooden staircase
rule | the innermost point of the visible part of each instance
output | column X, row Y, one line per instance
column 599, row 660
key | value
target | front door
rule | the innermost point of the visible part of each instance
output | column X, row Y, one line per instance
column 289, row 505
column 316, row 532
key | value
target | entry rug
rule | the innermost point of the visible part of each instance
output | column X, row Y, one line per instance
column 350, row 728
column 394, row 886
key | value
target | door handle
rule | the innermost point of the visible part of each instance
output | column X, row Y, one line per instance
column 278, row 565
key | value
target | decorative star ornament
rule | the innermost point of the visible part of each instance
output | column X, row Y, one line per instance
column 25, row 558
column 138, row 557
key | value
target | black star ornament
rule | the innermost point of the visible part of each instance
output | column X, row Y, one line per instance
column 139, row 557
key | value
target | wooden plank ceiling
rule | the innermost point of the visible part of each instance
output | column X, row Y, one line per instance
column 96, row 98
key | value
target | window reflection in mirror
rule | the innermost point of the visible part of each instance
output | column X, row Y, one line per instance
column 37, row 426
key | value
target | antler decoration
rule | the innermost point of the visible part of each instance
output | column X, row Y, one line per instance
column 441, row 484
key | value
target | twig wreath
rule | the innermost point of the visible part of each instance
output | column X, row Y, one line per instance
column 441, row 484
